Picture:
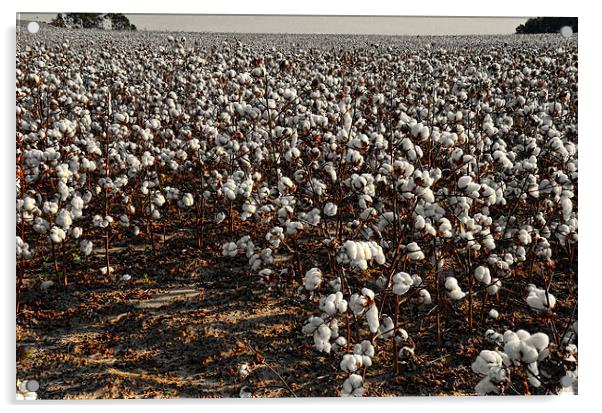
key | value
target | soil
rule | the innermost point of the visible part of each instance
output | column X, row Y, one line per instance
column 188, row 319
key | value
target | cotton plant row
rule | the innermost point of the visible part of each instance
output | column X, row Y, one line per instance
column 436, row 170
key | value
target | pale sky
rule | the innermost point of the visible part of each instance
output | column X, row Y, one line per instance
column 316, row 24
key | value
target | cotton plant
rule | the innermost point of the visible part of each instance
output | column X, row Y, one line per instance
column 521, row 354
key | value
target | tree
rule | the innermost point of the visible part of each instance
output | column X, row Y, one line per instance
column 105, row 21
column 547, row 25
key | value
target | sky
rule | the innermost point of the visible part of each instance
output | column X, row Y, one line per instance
column 316, row 24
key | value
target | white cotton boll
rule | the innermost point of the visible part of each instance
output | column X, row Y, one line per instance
column 493, row 313
column 414, row 252
column 159, row 199
column 330, row 209
column 29, row 204
column 539, row 340
column 322, row 338
column 481, row 274
column 243, row 371
column 57, row 235
column 445, row 228
column 486, row 360
column 312, row 279
column 494, row 337
column 352, row 386
column 50, row 208
column 76, row 232
column 453, row 290
column 64, row 219
column 285, row 185
column 386, row 328
column 351, row 362
column 419, row 222
column 539, row 300
column 350, row 249
column 312, row 325
column 401, row 336
column 372, row 318
column 229, row 249
column 188, row 200
column 402, row 282
column 464, row 181
column 339, row 344
column 126, row 277
column 104, row 271
column 22, row 248
column 85, row 247
column 41, row 226
column 368, row 293
column 451, row 283
column 77, row 203
column 456, row 294
column 248, row 211
column 356, row 303
column 294, row 227
column 485, row 387
column 366, row 350
column 494, row 287
column 424, row 297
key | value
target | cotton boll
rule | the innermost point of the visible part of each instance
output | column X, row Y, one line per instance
column 333, row 303
column 229, row 249
column 312, row 279
column 76, row 232
column 41, row 226
column 486, row 360
column 481, row 274
column 414, row 252
column 294, row 227
column 485, row 387
column 494, row 287
column 539, row 300
column 57, row 235
column 453, row 289
column 64, row 219
column 424, row 297
column 29, row 204
column 330, row 209
column 244, row 370
column 187, row 200
column 539, row 340
column 350, row 249
column 322, row 338
column 351, row 362
column 493, row 313
column 339, row 344
column 464, row 181
column 402, row 282
column 352, row 387
column 107, row 271
column 366, row 350
column 85, row 247
column 372, row 318
column 386, row 328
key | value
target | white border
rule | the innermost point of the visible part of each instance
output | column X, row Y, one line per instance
column 590, row 150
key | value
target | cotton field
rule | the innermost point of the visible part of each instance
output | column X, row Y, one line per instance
column 297, row 215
